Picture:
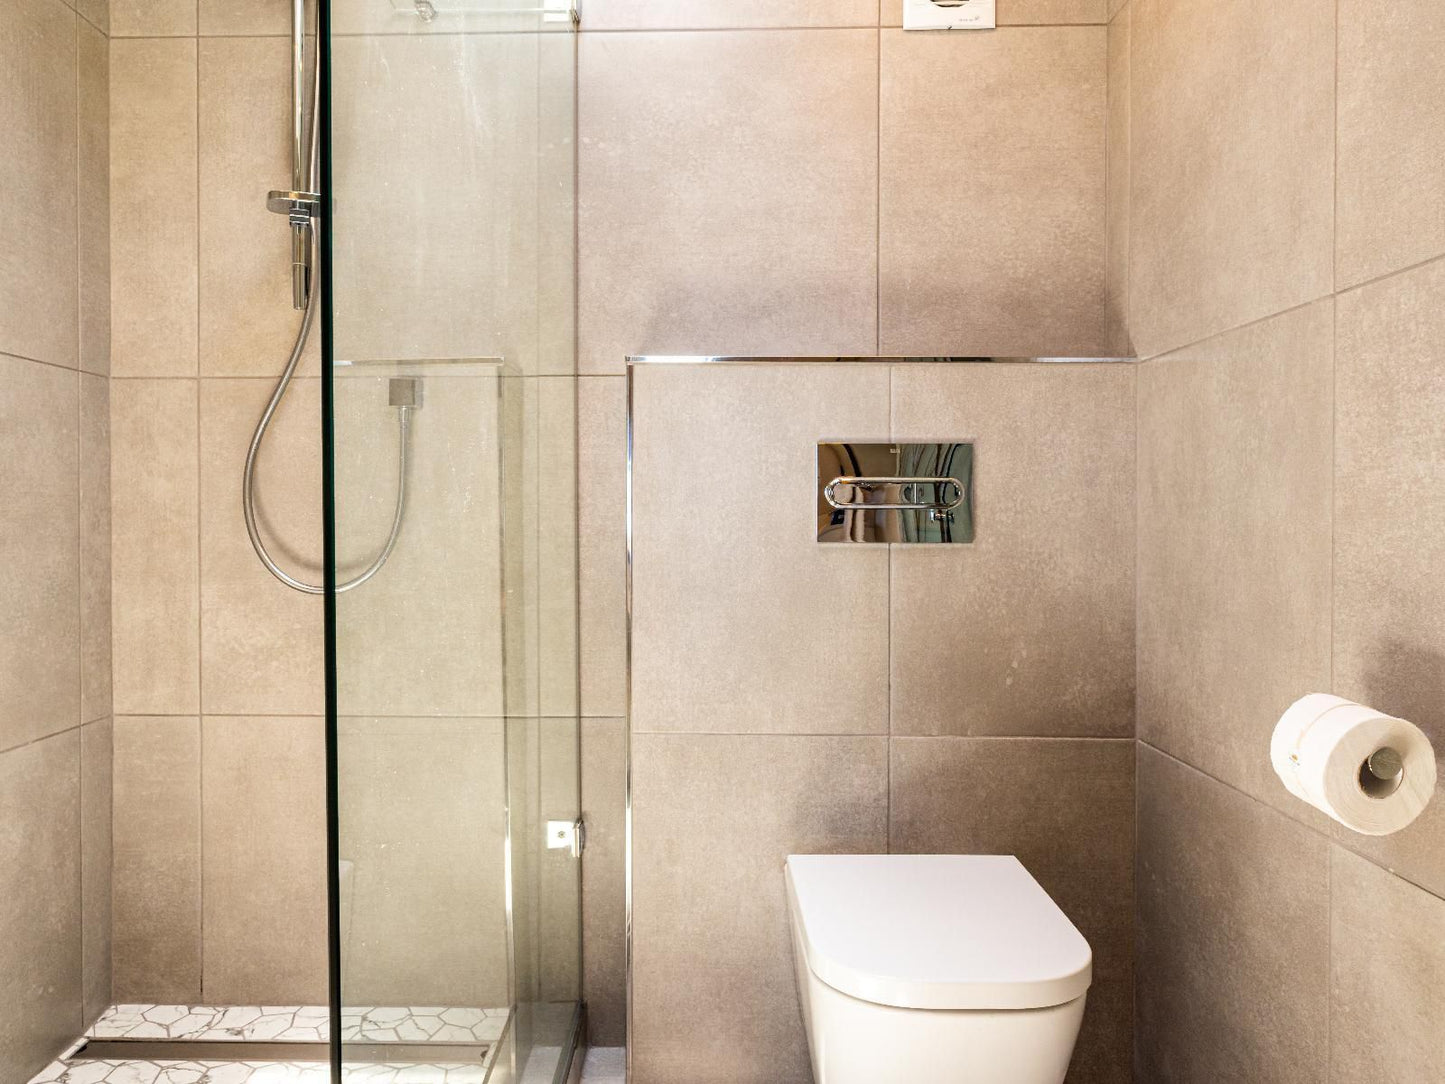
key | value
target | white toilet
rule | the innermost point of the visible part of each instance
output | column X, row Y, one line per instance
column 934, row 969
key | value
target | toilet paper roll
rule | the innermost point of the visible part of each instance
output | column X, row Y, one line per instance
column 1371, row 772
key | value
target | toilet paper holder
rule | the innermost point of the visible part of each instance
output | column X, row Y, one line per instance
column 1382, row 772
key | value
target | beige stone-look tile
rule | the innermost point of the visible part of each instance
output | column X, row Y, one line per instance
column 95, row 601
column 152, row 18
column 261, row 642
column 740, row 617
column 1066, row 810
column 93, row 208
column 1029, row 630
column 602, row 522
column 1117, row 187
column 156, row 906
column 40, row 926
column 1232, row 107
column 96, row 764
column 1233, row 943
column 1388, row 971
column 263, row 850
column 1234, row 544
column 153, row 216
column 155, row 588
column 423, row 822
column 714, row 818
column 1022, row 12
column 1391, row 190
column 1116, row 6
column 726, row 14
column 38, row 293
column 95, row 12
column 39, row 551
column 236, row 17
column 729, row 187
column 1389, row 632
column 604, row 919
column 1005, row 257
column 556, row 528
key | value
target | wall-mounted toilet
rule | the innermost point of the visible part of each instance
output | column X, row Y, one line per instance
column 934, row 969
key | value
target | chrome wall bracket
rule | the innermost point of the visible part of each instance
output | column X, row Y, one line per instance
column 885, row 493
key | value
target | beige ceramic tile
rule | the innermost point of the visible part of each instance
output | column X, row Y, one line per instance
column 93, row 210
column 1117, row 187
column 542, row 786
column 153, row 232
column 1389, row 632
column 1116, row 6
column 1066, row 810
column 95, row 864
column 423, row 817
column 95, row 601
column 602, row 451
column 40, row 952
column 96, row 12
column 750, row 236
column 38, row 298
column 249, row 17
column 155, row 586
column 1388, row 973
column 1233, row 901
column 1234, row 544
column 39, row 551
column 1232, row 107
column 264, row 860
column 1391, row 196
column 1029, row 629
column 725, row 14
column 992, row 219
column 740, row 617
column 261, row 642
column 715, row 816
column 157, row 860
column 556, row 573
column 152, row 18
column 1021, row 12
column 604, row 920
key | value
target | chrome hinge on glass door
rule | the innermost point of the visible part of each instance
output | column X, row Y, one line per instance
column 569, row 834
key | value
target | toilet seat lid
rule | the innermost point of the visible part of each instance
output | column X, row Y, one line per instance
column 936, row 931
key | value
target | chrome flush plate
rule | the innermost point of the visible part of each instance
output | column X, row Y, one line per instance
column 895, row 493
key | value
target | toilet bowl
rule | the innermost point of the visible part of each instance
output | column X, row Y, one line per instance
column 934, row 969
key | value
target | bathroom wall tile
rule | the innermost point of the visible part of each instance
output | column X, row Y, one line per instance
column 1066, row 810
column 95, row 669
column 95, row 12
column 154, row 540
column 697, row 236
column 218, row 17
column 93, row 208
column 40, row 928
column 1116, row 6
column 604, row 919
column 1388, row 971
column 152, row 18
column 264, row 860
column 740, row 618
column 153, row 181
column 39, row 551
column 726, row 14
column 1391, row 138
column 556, row 572
column 38, row 300
column 714, row 818
column 1034, row 633
column 1021, row 12
column 261, row 642
column 1232, row 109
column 1116, row 183
column 1234, row 544
column 96, row 752
column 1233, row 901
column 1006, row 257
column 1389, row 633
column 156, row 905
column 602, row 452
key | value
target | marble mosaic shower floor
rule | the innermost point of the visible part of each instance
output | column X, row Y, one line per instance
column 300, row 1023
column 134, row 1071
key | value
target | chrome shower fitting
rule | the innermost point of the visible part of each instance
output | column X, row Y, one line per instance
column 301, row 208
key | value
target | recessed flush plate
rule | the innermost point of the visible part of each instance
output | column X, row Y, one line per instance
column 948, row 14
column 907, row 493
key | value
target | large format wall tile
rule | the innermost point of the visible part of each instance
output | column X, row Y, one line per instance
column 155, row 537
column 602, row 511
column 742, row 622
column 40, row 923
column 991, row 216
column 1234, row 544
column 96, row 805
column 38, row 285
column 217, row 17
column 152, row 18
column 95, row 601
column 39, row 551
column 728, row 194
column 1116, row 188
column 1066, row 810
column 1233, row 945
column 1389, row 625
column 714, row 817
column 157, row 860
column 604, row 918
column 1233, row 196
column 725, row 14
column 1021, row 12
column 93, row 194
column 1030, row 629
column 1391, row 194
column 153, row 207
column 263, row 854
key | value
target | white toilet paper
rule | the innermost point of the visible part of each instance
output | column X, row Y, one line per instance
column 1321, row 751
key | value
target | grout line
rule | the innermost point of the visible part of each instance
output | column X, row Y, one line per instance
column 80, row 622
column 878, row 213
column 44, row 737
column 200, row 563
